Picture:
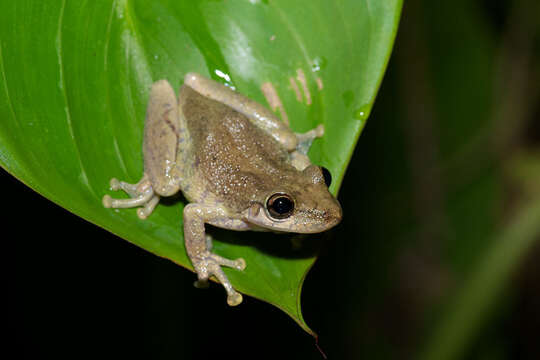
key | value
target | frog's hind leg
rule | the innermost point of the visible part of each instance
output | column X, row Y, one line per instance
column 162, row 135
column 164, row 139
column 141, row 194
column 258, row 114
column 296, row 144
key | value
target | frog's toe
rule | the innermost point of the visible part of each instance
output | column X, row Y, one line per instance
column 114, row 184
column 142, row 214
column 107, row 201
column 319, row 130
column 201, row 284
column 240, row 264
column 234, row 299
column 210, row 265
column 148, row 207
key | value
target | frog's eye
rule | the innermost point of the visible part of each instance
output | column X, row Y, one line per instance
column 280, row 206
column 327, row 176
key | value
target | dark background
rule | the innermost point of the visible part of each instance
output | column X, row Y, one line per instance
column 449, row 157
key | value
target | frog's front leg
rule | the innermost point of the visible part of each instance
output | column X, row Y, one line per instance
column 205, row 262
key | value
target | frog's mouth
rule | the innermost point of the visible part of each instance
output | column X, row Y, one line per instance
column 308, row 223
column 257, row 215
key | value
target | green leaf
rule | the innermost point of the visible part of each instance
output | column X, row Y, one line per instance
column 75, row 78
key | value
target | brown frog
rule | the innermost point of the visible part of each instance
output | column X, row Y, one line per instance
column 237, row 164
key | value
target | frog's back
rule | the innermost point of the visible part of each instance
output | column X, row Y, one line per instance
column 235, row 161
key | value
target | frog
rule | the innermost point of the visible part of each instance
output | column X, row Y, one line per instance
column 235, row 162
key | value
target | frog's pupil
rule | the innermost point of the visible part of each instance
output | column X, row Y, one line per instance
column 327, row 176
column 282, row 205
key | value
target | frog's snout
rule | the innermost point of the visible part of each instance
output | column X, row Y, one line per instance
column 335, row 215
column 329, row 217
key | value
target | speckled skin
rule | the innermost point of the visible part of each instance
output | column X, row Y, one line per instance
column 228, row 155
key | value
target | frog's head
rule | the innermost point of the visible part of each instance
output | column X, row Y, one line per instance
column 303, row 205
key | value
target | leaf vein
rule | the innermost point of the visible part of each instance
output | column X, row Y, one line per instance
column 108, row 93
column 59, row 53
column 4, row 78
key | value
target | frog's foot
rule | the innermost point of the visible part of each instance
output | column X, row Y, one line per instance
column 305, row 139
column 141, row 194
column 209, row 264
column 299, row 158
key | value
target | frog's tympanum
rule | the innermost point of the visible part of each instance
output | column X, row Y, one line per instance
column 237, row 164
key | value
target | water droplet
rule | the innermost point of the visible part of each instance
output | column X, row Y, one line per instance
column 156, row 57
column 225, row 77
column 361, row 113
column 318, row 64
column 222, row 75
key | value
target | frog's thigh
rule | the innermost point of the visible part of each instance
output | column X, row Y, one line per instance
column 205, row 263
column 256, row 113
column 161, row 132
